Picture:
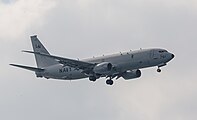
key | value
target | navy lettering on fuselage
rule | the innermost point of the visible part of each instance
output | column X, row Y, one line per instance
column 63, row 70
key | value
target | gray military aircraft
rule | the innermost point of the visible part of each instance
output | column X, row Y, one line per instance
column 126, row 65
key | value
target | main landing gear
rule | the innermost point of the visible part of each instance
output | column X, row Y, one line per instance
column 92, row 78
column 109, row 82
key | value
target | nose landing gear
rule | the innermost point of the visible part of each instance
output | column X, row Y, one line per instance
column 159, row 70
column 161, row 65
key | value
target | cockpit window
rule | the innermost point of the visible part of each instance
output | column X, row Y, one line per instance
column 162, row 51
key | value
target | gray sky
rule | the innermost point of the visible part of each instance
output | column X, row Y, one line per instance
column 85, row 28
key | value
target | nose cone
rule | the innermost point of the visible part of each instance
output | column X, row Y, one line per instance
column 172, row 55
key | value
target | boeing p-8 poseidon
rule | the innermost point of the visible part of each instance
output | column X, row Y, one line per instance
column 126, row 65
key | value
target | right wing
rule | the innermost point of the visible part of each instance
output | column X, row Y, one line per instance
column 85, row 66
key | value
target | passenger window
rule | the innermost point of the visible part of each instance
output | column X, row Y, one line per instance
column 162, row 51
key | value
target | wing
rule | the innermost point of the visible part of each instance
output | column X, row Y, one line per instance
column 85, row 66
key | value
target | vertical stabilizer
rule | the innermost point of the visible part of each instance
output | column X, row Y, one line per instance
column 41, row 61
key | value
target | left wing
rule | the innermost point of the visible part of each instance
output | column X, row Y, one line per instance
column 85, row 66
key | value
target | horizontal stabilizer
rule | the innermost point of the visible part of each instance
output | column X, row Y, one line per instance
column 32, row 52
column 28, row 68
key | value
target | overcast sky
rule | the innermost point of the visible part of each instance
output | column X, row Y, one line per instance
column 86, row 28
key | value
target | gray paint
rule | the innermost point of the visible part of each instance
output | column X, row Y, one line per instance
column 169, row 24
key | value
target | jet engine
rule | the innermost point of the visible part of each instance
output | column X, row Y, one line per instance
column 131, row 74
column 103, row 68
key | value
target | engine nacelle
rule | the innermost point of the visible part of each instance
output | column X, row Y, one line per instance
column 103, row 68
column 131, row 74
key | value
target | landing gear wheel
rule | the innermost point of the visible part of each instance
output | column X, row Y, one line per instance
column 109, row 82
column 158, row 70
column 92, row 78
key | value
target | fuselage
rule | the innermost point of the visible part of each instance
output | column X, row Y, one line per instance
column 131, row 60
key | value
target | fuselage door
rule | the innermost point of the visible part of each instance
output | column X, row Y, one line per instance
column 154, row 55
column 151, row 54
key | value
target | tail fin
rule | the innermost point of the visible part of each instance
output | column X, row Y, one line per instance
column 41, row 61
